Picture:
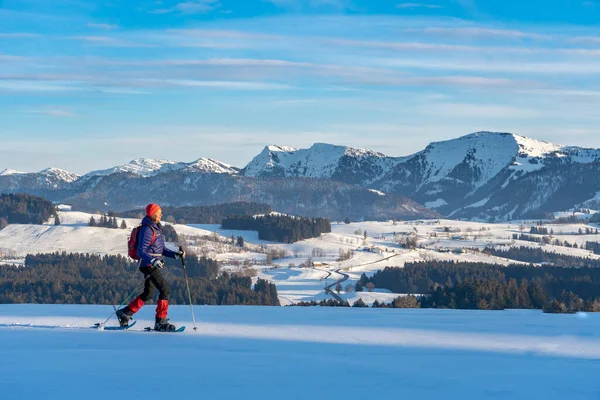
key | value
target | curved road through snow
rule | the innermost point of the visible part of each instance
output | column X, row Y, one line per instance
column 346, row 276
column 344, row 279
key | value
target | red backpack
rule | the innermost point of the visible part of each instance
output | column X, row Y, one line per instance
column 132, row 243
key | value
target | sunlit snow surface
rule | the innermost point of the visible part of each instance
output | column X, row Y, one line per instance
column 301, row 353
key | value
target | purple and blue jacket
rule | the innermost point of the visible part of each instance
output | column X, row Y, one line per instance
column 157, row 250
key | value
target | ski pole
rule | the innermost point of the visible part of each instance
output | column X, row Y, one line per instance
column 188, row 288
column 137, row 288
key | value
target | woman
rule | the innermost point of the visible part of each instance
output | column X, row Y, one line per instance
column 151, row 251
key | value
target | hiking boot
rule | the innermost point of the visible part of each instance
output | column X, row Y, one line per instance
column 124, row 315
column 163, row 325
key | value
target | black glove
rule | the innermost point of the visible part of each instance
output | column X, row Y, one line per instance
column 180, row 254
column 156, row 263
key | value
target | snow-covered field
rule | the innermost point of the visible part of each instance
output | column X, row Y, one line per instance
column 438, row 240
column 301, row 353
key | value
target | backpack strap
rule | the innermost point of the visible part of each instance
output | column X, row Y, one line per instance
column 152, row 240
column 153, row 233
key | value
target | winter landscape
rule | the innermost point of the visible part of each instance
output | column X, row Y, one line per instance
column 305, row 350
column 299, row 199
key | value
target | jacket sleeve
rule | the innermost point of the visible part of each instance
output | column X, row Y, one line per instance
column 144, row 245
column 168, row 253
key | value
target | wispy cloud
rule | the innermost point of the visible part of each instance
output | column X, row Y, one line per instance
column 35, row 86
column 433, row 81
column 495, row 66
column 480, row 32
column 190, row 7
column 227, row 84
column 456, row 48
column 563, row 92
column 55, row 113
column 7, row 57
column 102, row 26
column 585, row 39
column 474, row 111
column 223, row 33
column 426, row 46
column 18, row 35
column 417, row 5
column 303, row 4
column 107, row 41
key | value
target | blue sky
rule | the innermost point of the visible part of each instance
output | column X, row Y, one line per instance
column 90, row 84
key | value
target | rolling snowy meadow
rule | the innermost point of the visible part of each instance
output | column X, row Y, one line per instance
column 299, row 353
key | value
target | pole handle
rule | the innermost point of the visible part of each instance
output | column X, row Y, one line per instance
column 182, row 258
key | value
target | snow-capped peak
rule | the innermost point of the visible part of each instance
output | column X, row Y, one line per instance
column 212, row 166
column 149, row 167
column 59, row 174
column 528, row 147
column 276, row 148
column 485, row 154
column 140, row 166
column 321, row 160
column 8, row 171
column 535, row 148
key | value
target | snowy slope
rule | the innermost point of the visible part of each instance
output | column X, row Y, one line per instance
column 456, row 177
column 7, row 172
column 486, row 153
column 59, row 174
column 319, row 161
column 73, row 235
column 490, row 175
column 301, row 353
column 294, row 283
column 49, row 179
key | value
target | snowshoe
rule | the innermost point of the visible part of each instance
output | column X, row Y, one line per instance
column 163, row 325
column 124, row 316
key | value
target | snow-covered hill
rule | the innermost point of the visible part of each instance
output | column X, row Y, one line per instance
column 346, row 164
column 380, row 249
column 300, row 353
column 7, row 172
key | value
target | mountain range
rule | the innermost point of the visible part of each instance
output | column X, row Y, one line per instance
column 483, row 176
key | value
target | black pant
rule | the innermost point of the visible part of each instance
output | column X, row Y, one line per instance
column 155, row 280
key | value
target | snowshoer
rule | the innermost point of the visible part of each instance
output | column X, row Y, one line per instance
column 151, row 251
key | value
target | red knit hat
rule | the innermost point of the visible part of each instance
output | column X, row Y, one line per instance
column 152, row 209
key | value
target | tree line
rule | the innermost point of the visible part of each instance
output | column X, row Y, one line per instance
column 107, row 222
column 24, row 209
column 593, row 247
column 61, row 278
column 544, row 240
column 538, row 256
column 279, row 228
column 203, row 214
column 472, row 285
column 538, row 230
